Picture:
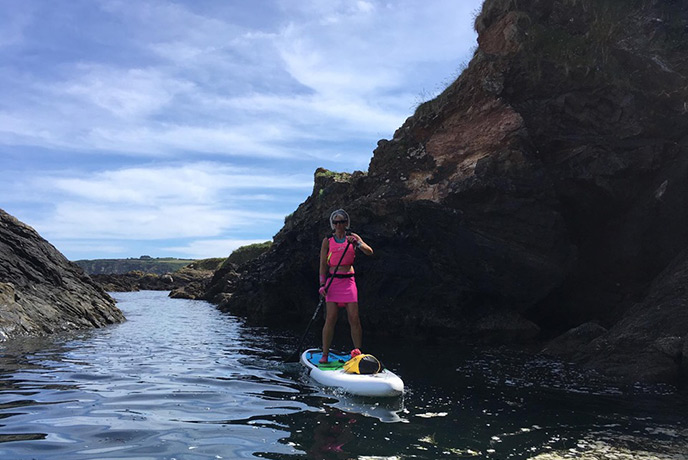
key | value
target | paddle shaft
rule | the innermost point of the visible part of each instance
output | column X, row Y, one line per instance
column 320, row 304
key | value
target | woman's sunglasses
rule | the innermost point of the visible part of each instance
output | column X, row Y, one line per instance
column 339, row 222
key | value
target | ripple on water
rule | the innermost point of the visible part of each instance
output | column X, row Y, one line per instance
column 180, row 379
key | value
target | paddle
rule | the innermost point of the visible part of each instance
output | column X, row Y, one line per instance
column 294, row 356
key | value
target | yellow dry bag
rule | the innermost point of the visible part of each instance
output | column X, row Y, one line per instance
column 363, row 364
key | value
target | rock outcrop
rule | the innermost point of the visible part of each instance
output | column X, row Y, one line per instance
column 189, row 282
column 192, row 281
column 41, row 291
column 543, row 190
column 650, row 342
column 137, row 280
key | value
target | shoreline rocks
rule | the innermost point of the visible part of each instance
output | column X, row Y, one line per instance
column 189, row 282
column 41, row 292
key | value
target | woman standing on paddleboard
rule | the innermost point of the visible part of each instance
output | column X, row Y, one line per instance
column 337, row 255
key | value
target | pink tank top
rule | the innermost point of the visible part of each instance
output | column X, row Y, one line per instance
column 335, row 253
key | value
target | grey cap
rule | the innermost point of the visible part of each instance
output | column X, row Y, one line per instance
column 339, row 212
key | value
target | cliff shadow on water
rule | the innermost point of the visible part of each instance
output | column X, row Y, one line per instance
column 539, row 199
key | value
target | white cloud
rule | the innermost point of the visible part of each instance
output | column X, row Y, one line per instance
column 198, row 200
column 187, row 183
column 154, row 222
column 127, row 121
column 162, row 140
column 198, row 83
column 342, row 114
column 104, row 248
column 374, row 48
column 205, row 249
column 131, row 94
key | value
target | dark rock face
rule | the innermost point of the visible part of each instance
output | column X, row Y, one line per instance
column 544, row 189
column 41, row 291
column 650, row 341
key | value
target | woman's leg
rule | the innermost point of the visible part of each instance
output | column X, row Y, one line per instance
column 355, row 324
column 328, row 328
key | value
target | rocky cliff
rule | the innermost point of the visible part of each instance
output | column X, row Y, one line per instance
column 41, row 291
column 544, row 189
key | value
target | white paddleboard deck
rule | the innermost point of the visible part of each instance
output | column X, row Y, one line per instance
column 332, row 374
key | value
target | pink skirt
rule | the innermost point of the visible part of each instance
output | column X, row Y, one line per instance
column 342, row 290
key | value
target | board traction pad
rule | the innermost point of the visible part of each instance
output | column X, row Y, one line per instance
column 336, row 362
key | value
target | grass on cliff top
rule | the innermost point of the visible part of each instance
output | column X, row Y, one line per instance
column 249, row 252
column 211, row 264
column 336, row 176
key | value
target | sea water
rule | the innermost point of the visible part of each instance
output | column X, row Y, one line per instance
column 181, row 380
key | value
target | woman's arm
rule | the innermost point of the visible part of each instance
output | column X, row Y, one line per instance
column 324, row 248
column 358, row 242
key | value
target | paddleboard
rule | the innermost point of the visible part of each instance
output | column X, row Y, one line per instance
column 332, row 374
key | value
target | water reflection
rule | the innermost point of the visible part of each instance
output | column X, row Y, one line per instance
column 181, row 380
column 388, row 410
column 332, row 432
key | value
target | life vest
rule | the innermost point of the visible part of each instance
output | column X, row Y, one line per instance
column 363, row 364
column 337, row 249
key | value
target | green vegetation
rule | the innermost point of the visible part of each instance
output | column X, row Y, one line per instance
column 146, row 264
column 586, row 50
column 211, row 264
column 245, row 253
column 337, row 177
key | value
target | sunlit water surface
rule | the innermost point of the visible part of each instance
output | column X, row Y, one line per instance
column 181, row 380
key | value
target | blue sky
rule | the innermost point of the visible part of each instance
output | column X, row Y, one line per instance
column 190, row 128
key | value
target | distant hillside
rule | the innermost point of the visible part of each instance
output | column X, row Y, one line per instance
column 185, row 282
column 146, row 264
